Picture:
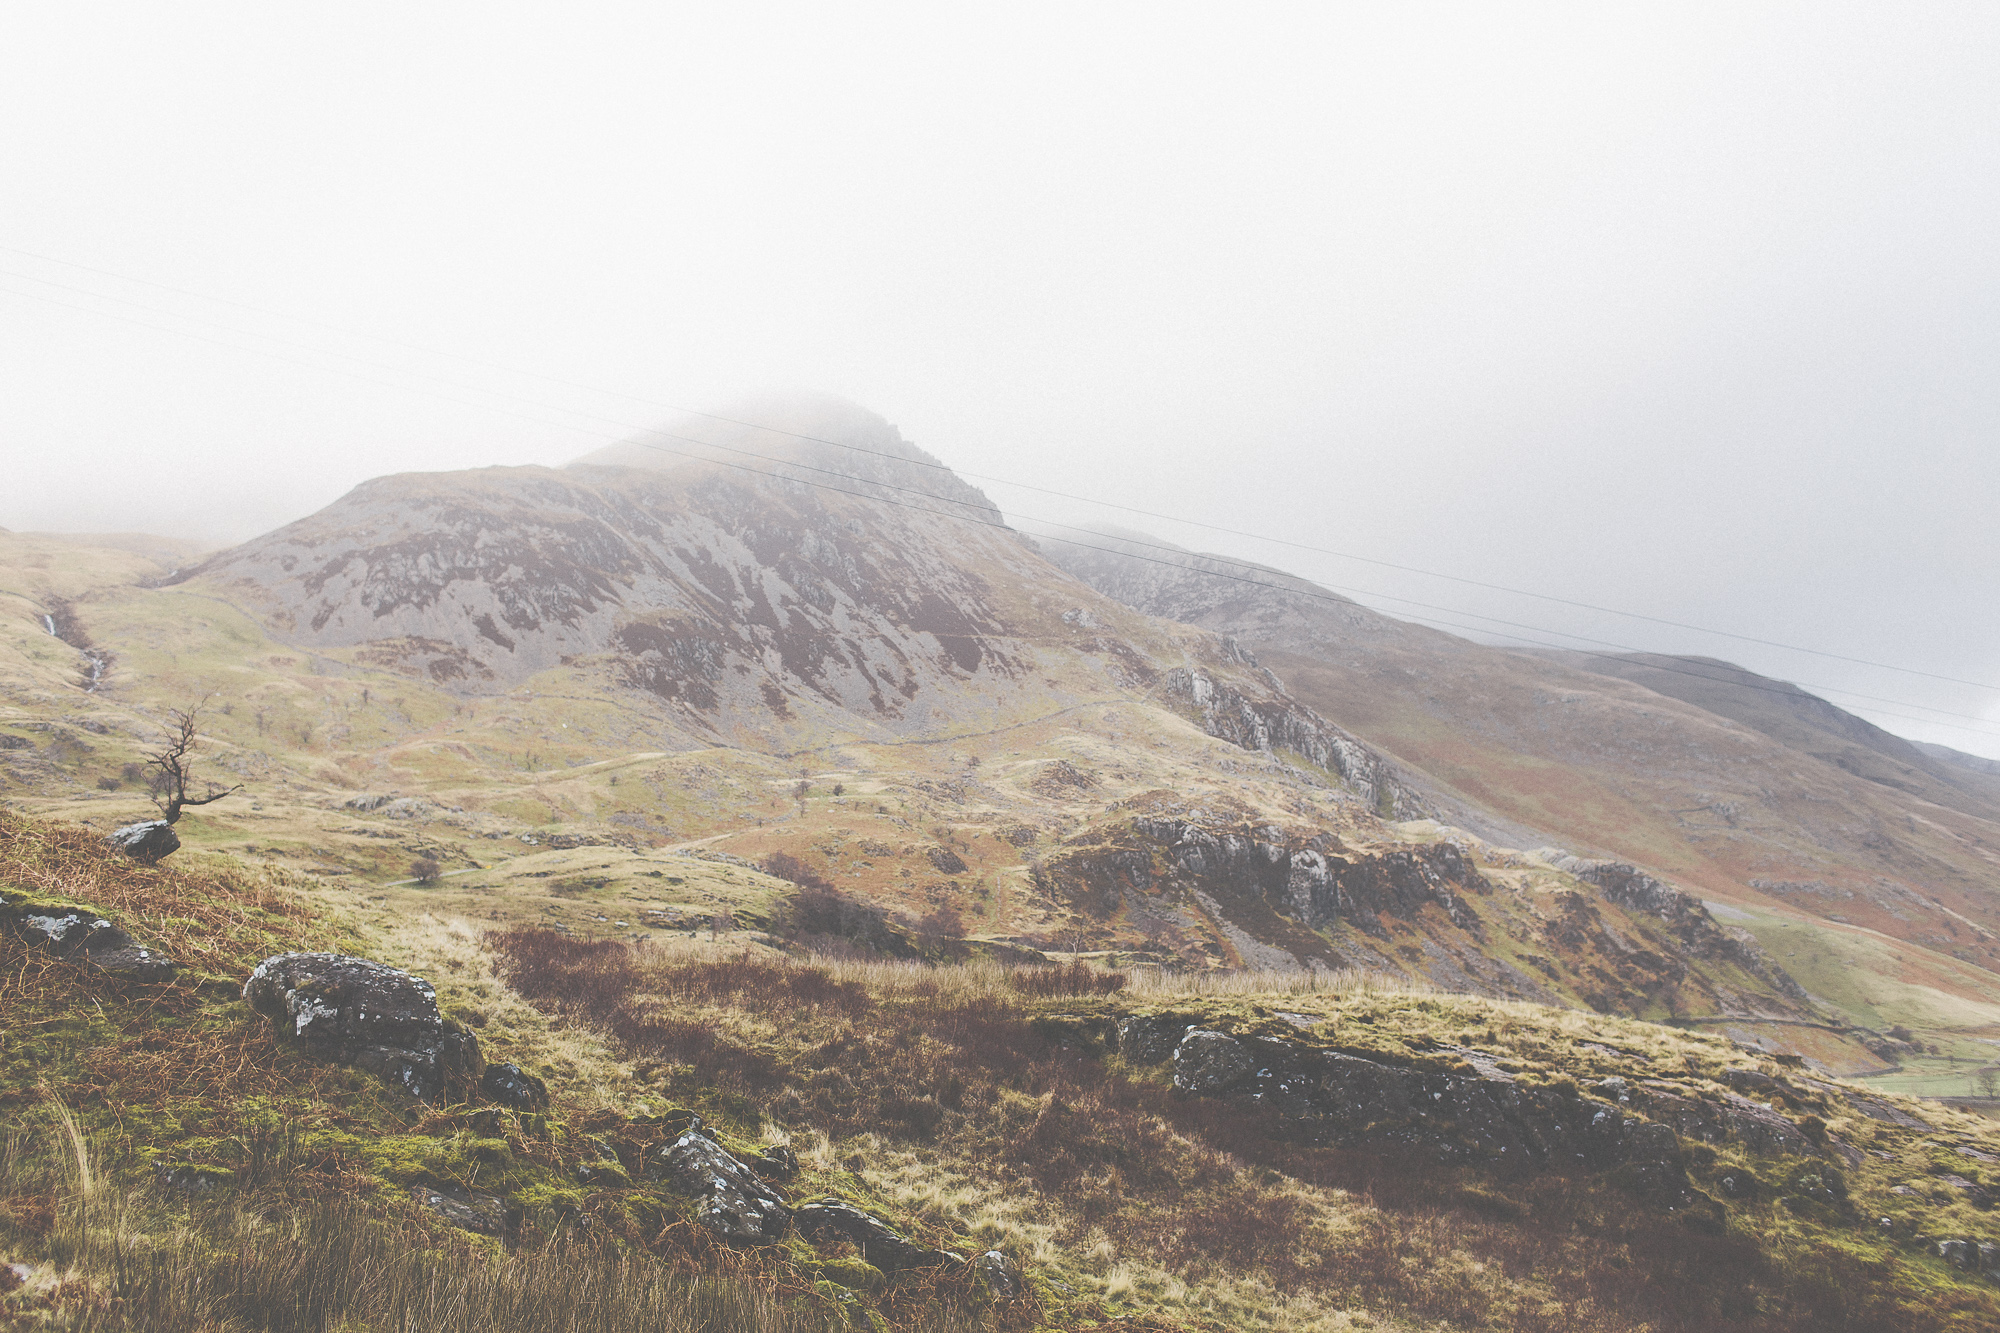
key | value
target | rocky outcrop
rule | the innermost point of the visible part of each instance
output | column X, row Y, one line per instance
column 731, row 1200
column 1734, row 1118
column 368, row 1015
column 148, row 842
column 83, row 936
column 832, row 1219
column 1685, row 917
column 1280, row 723
column 1308, row 876
column 1480, row 1116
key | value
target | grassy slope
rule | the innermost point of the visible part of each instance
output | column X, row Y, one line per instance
column 504, row 779
column 1609, row 796
column 973, row 1114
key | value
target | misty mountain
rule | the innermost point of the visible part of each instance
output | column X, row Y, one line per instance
column 1751, row 789
column 824, row 645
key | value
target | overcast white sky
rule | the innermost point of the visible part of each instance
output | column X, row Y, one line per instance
column 1679, row 309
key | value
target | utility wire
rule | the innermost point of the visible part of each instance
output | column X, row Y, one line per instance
column 1181, row 561
column 996, row 480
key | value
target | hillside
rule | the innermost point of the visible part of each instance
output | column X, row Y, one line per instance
column 1806, row 723
column 1295, row 1151
column 1025, row 902
column 1865, row 867
column 573, row 685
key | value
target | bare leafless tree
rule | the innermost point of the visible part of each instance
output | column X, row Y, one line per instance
column 172, row 767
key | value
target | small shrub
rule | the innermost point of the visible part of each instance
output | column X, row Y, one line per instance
column 1079, row 978
column 425, row 871
column 785, row 866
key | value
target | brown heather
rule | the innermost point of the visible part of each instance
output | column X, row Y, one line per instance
column 958, row 1060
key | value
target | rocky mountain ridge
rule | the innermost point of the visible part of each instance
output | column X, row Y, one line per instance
column 1786, row 810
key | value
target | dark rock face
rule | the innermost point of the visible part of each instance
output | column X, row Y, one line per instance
column 1279, row 887
column 881, row 1244
column 510, row 1085
column 734, row 1202
column 1758, row 1128
column 1485, row 1118
column 1150, row 1039
column 368, row 1015
column 465, row 1209
column 82, row 936
column 148, row 842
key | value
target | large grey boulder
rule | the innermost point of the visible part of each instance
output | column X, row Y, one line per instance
column 368, row 1015
column 85, row 937
column 149, row 842
column 881, row 1244
column 732, row 1200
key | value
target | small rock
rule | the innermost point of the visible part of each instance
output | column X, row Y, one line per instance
column 1958, row 1253
column 82, row 936
column 510, row 1085
column 999, row 1274
column 465, row 1209
column 734, row 1202
column 881, row 1244
column 365, row 1014
column 854, row 1274
column 1753, row 1081
column 607, row 1175
column 777, row 1162
column 148, row 842
column 1742, row 1185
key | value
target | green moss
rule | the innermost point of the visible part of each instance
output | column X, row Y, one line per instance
column 854, row 1274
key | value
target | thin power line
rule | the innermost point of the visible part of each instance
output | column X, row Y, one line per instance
column 996, row 480
column 1181, row 562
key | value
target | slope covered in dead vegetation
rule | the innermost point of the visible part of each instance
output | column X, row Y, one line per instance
column 1068, row 1119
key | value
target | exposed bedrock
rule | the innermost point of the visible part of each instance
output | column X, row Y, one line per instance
column 1484, row 1118
column 1476, row 1115
column 1686, row 919
column 1281, row 723
column 1310, row 877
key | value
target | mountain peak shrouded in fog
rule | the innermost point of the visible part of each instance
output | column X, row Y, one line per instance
column 817, row 439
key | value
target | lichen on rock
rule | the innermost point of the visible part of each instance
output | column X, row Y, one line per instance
column 368, row 1015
